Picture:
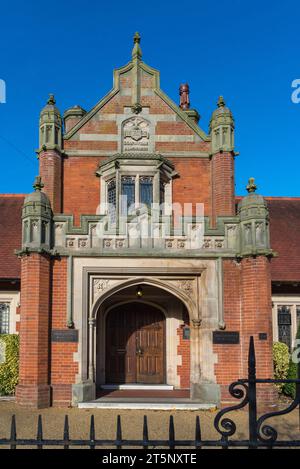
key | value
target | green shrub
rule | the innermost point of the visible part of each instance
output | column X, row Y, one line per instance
column 9, row 370
column 289, row 389
column 281, row 359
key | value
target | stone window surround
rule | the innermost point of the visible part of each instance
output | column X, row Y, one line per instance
column 136, row 168
column 13, row 298
column 293, row 301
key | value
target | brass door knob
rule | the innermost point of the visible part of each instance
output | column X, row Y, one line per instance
column 139, row 351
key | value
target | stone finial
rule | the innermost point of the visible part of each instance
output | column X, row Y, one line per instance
column 38, row 185
column 136, row 38
column 51, row 100
column 251, row 187
column 221, row 102
column 184, row 93
column 136, row 51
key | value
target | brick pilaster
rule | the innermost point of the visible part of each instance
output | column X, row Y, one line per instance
column 223, row 202
column 51, row 174
column 257, row 319
column 33, row 389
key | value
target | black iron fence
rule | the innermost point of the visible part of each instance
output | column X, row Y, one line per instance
column 260, row 433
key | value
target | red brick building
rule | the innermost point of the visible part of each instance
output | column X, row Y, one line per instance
column 139, row 265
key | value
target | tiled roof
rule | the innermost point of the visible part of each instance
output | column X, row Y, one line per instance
column 285, row 237
column 10, row 234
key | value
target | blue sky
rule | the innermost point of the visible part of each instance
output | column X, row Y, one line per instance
column 247, row 51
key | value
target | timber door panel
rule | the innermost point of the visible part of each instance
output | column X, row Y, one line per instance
column 135, row 344
column 120, row 347
column 150, row 344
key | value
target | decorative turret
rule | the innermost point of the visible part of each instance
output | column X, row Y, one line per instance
column 254, row 216
column 50, row 126
column 36, row 219
column 222, row 128
column 72, row 116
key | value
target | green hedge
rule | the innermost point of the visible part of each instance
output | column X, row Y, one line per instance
column 9, row 370
column 289, row 389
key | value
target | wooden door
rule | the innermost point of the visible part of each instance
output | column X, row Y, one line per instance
column 135, row 344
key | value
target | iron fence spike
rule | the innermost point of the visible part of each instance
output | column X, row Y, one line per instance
column 13, row 431
column 251, row 358
column 171, row 432
column 198, row 432
column 66, row 436
column 119, row 432
column 145, row 431
column 39, row 435
column 92, row 432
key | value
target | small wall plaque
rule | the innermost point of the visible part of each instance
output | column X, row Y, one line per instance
column 226, row 337
column 186, row 333
column 262, row 336
column 64, row 335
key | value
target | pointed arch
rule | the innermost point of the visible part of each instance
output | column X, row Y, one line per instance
column 194, row 314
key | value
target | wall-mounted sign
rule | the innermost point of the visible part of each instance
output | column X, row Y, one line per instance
column 64, row 335
column 262, row 336
column 226, row 337
column 186, row 333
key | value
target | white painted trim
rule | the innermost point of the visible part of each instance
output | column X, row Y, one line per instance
column 285, row 300
column 12, row 297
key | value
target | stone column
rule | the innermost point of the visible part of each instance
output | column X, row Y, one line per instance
column 85, row 391
column 195, row 359
column 91, row 367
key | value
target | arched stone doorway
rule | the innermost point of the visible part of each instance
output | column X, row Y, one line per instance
column 135, row 344
column 144, row 341
column 196, row 286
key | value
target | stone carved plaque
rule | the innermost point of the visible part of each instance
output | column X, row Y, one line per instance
column 136, row 135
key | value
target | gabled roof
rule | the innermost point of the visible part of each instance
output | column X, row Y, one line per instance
column 285, row 237
column 135, row 65
column 10, row 234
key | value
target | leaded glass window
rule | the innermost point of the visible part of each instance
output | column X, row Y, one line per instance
column 111, row 199
column 146, row 190
column 127, row 193
column 4, row 318
column 284, row 325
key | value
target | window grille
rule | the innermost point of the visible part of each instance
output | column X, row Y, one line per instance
column 284, row 325
column 146, row 190
column 4, row 318
column 111, row 198
column 127, row 193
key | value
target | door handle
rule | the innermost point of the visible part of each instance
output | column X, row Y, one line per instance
column 139, row 351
